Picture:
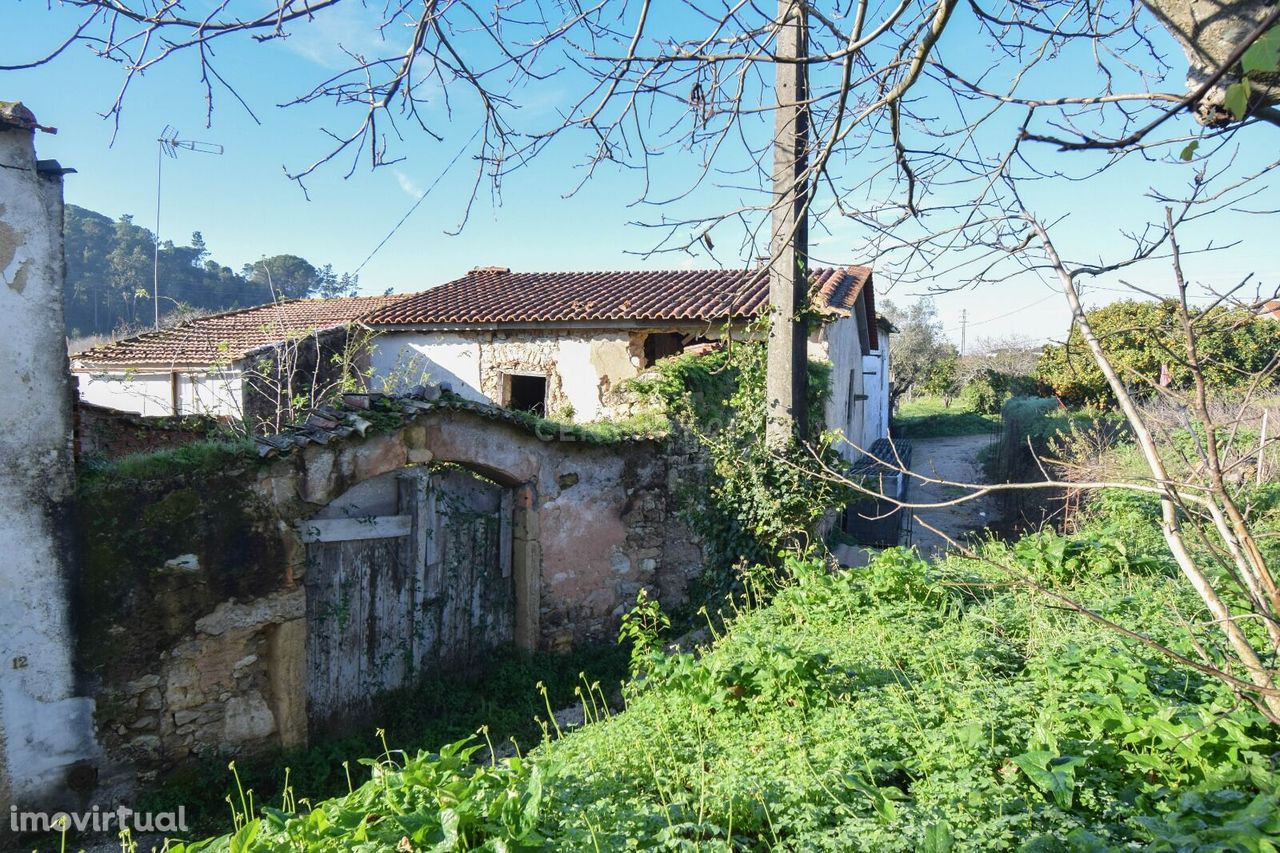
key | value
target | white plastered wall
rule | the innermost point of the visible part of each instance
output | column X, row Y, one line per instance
column 876, row 376
column 218, row 393
column 584, row 366
column 151, row 392
column 401, row 360
column 840, row 343
column 45, row 728
column 140, row 392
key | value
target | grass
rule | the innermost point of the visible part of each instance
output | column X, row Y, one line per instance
column 639, row 426
column 200, row 457
column 503, row 696
column 905, row 706
column 930, row 417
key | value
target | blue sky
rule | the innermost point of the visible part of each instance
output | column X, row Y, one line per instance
column 247, row 208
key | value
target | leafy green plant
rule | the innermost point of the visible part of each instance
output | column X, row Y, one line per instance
column 1139, row 337
column 904, row 706
column 1261, row 59
column 749, row 503
column 643, row 626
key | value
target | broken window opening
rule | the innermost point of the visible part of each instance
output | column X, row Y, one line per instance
column 527, row 393
column 660, row 345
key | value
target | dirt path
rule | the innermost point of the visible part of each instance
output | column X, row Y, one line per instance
column 954, row 459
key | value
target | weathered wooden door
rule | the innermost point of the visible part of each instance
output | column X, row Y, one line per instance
column 468, row 604
column 407, row 574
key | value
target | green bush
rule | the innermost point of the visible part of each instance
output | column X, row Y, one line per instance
column 988, row 390
column 747, row 502
column 1142, row 338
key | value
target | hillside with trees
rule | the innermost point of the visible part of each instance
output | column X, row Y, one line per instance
column 111, row 267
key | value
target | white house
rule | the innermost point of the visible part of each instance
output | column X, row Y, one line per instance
column 207, row 366
column 560, row 343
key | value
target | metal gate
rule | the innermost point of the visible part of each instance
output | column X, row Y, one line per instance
column 407, row 574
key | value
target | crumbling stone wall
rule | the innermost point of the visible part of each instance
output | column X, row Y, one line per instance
column 314, row 366
column 110, row 433
column 193, row 632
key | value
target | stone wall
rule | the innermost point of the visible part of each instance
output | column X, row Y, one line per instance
column 195, row 643
column 110, row 433
column 46, row 736
column 583, row 369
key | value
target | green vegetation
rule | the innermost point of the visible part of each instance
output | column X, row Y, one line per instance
column 1144, row 339
column 505, row 697
column 1031, row 428
column 905, row 706
column 643, row 425
column 931, row 417
column 988, row 390
column 747, row 503
column 110, row 267
column 212, row 456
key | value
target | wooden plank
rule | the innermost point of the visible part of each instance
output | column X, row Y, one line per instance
column 355, row 529
column 506, row 510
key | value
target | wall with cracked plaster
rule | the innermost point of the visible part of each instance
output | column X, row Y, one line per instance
column 46, row 731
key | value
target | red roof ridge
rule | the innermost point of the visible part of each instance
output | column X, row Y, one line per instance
column 671, row 295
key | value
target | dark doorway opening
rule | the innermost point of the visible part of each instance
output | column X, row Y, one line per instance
column 527, row 393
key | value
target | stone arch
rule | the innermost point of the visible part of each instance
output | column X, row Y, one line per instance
column 498, row 451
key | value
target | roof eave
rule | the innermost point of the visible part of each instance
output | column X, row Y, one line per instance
column 560, row 325
column 79, row 366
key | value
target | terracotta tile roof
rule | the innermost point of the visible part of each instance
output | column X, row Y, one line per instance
column 493, row 295
column 219, row 338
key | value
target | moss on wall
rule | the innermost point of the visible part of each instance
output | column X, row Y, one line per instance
column 163, row 538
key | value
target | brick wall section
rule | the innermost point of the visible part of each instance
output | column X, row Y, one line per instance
column 109, row 433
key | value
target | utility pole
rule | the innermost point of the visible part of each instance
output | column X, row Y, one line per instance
column 964, row 323
column 786, row 381
column 169, row 145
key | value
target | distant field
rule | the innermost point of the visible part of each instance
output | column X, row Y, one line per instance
column 928, row 417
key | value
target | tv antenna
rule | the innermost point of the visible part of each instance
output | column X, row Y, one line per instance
column 169, row 145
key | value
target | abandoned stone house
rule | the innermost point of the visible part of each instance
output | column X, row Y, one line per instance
column 238, row 365
column 561, row 344
column 557, row 344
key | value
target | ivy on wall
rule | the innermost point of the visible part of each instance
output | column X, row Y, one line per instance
column 749, row 505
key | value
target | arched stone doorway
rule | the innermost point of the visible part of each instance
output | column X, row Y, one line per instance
column 413, row 571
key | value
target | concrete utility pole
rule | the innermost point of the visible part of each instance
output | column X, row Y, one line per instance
column 786, row 384
column 964, row 327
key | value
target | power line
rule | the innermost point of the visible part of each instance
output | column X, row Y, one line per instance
column 420, row 200
column 998, row 316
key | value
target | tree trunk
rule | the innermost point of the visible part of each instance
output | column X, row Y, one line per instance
column 787, row 374
column 1209, row 32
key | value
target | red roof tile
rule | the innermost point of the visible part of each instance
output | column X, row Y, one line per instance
column 221, row 338
column 487, row 296
column 491, row 295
